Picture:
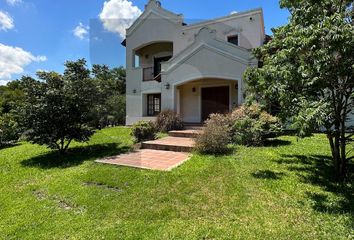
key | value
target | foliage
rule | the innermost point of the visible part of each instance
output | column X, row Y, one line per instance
column 168, row 120
column 216, row 135
column 307, row 72
column 11, row 96
column 143, row 131
column 252, row 126
column 58, row 109
column 9, row 131
column 110, row 107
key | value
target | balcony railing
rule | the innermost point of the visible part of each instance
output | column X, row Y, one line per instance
column 148, row 74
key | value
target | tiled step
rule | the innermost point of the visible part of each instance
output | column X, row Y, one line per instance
column 185, row 133
column 176, row 144
column 193, row 126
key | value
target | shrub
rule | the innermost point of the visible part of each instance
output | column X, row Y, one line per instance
column 216, row 135
column 168, row 120
column 143, row 131
column 252, row 126
column 9, row 130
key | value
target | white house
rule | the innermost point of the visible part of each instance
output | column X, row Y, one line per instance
column 192, row 69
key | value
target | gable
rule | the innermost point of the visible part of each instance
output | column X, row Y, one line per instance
column 154, row 11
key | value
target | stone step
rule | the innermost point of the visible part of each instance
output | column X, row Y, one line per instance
column 176, row 144
column 193, row 126
column 185, row 133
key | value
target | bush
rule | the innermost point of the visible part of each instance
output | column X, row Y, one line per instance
column 216, row 135
column 9, row 130
column 143, row 131
column 252, row 126
column 168, row 120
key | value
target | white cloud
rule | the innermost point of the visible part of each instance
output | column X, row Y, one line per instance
column 118, row 15
column 81, row 31
column 14, row 59
column 233, row 12
column 14, row 2
column 6, row 21
column 4, row 82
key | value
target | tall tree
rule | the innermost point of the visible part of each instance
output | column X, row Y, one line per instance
column 306, row 71
column 58, row 108
column 111, row 95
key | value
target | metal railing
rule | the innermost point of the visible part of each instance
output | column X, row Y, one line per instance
column 148, row 74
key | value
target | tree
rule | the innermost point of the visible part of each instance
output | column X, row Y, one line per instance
column 306, row 72
column 58, row 108
column 11, row 96
column 111, row 95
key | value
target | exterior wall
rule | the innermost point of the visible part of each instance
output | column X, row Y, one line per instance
column 249, row 32
column 190, row 102
column 149, row 36
column 214, row 65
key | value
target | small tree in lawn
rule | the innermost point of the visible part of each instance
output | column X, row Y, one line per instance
column 307, row 72
column 58, row 108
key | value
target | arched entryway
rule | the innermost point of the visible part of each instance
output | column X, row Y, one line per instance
column 197, row 99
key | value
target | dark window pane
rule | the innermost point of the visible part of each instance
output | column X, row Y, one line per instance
column 154, row 104
column 233, row 39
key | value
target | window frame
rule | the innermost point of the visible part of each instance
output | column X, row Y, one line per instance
column 153, row 108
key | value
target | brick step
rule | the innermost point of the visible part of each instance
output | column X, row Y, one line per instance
column 193, row 126
column 185, row 133
column 175, row 144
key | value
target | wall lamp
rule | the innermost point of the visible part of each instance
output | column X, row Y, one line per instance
column 167, row 86
column 194, row 89
column 134, row 91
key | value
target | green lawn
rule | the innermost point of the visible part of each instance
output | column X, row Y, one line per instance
column 277, row 192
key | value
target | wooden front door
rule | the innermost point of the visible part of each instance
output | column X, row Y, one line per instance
column 215, row 100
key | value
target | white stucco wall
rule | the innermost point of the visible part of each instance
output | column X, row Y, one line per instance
column 158, row 25
column 190, row 102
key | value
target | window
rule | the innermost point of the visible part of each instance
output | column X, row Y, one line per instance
column 233, row 39
column 136, row 61
column 154, row 104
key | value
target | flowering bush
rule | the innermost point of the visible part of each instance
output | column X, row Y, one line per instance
column 252, row 126
column 168, row 120
column 143, row 131
column 216, row 135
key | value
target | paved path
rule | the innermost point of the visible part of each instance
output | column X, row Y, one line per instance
column 161, row 154
column 149, row 159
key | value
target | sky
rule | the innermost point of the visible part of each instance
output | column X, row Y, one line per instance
column 40, row 35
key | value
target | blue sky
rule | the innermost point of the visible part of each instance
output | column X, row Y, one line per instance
column 40, row 34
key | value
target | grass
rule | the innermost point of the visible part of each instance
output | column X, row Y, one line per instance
column 282, row 191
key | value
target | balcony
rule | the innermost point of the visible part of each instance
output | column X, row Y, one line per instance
column 150, row 57
column 149, row 75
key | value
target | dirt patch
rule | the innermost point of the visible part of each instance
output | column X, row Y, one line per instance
column 42, row 195
column 105, row 186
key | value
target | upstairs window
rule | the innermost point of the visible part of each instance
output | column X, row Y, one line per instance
column 233, row 39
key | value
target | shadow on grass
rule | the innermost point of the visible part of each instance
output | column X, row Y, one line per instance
column 75, row 156
column 276, row 143
column 318, row 170
column 267, row 174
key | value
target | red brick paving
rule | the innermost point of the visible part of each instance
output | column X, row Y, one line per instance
column 174, row 141
column 149, row 159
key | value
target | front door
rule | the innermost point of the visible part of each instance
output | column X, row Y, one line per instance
column 215, row 100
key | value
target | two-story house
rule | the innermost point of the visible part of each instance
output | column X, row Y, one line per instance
column 193, row 69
